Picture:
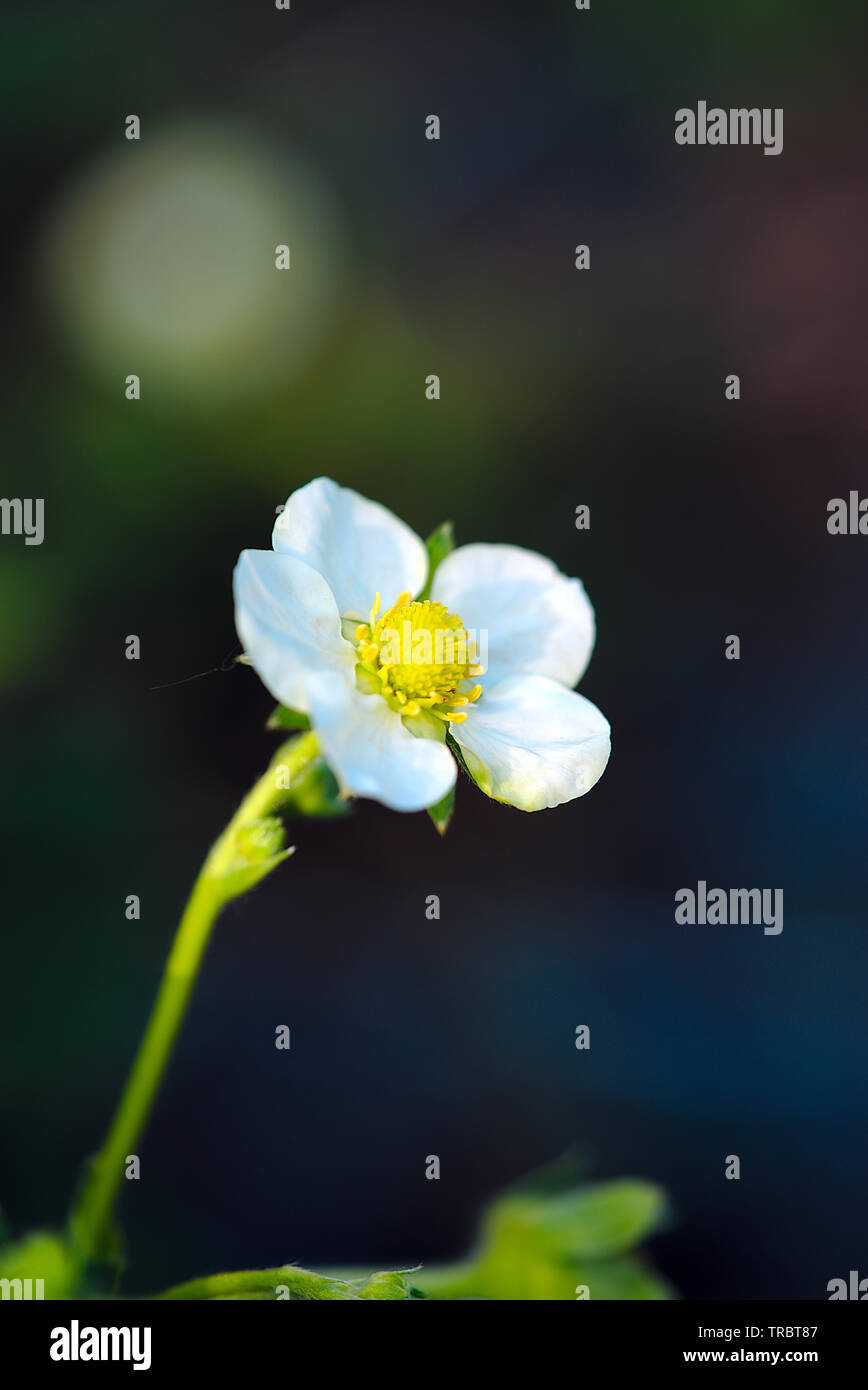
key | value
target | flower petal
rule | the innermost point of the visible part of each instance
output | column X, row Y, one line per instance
column 289, row 624
column 371, row 753
column 532, row 743
column 533, row 618
column 358, row 546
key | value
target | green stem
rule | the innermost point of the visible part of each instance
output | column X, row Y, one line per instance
column 234, row 863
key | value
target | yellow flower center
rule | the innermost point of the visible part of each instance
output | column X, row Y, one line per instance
column 418, row 656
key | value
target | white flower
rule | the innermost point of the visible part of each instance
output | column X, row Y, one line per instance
column 389, row 682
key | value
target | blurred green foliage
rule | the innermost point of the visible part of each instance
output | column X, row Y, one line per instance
column 534, row 1245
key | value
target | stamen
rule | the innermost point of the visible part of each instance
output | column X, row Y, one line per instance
column 421, row 655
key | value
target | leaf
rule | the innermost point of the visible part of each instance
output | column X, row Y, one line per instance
column 240, row 879
column 285, row 718
column 544, row 1246
column 585, row 1223
column 257, row 849
column 441, row 812
column 439, row 544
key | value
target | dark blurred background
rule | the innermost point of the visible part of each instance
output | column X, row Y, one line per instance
column 559, row 388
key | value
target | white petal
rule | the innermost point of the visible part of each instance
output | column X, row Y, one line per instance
column 359, row 547
column 532, row 617
column 372, row 754
column 288, row 623
column 532, row 743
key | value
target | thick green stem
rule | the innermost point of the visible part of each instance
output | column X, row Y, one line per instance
column 235, row 862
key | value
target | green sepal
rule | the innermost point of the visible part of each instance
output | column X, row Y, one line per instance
column 439, row 544
column 316, row 793
column 285, row 718
column 458, row 755
column 425, row 725
column 441, row 811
